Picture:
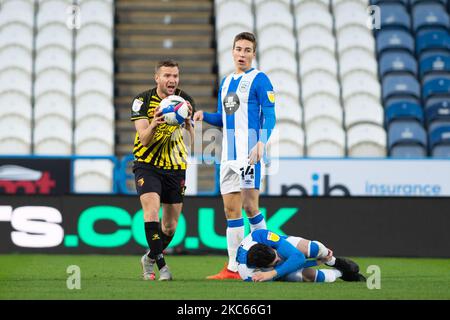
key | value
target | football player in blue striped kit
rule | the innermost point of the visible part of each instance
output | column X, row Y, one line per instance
column 246, row 111
column 265, row 256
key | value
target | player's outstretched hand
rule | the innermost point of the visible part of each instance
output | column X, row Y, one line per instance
column 256, row 153
column 264, row 276
column 198, row 116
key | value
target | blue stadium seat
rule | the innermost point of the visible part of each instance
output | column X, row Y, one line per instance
column 439, row 135
column 400, row 86
column 430, row 15
column 441, row 151
column 414, row 2
column 438, row 124
column 404, row 111
column 394, row 15
column 397, row 61
column 408, row 151
column 407, row 139
column 432, row 39
column 435, row 85
column 436, row 100
column 403, row 99
column 439, row 62
column 438, row 111
column 394, row 39
column 378, row 2
column 435, row 75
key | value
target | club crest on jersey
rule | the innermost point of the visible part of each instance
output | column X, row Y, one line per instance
column 231, row 103
column 271, row 96
column 273, row 237
column 243, row 87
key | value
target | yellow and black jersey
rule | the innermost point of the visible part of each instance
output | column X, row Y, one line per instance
column 167, row 149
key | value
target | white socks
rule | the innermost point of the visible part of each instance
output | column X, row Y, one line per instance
column 235, row 235
column 331, row 262
column 327, row 275
column 257, row 222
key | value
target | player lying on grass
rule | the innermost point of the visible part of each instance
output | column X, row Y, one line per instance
column 264, row 256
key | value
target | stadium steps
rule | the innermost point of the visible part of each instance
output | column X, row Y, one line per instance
column 145, row 78
column 156, row 17
column 164, row 7
column 204, row 177
column 180, row 55
column 147, row 31
column 161, row 29
column 193, row 90
column 139, row 41
column 148, row 66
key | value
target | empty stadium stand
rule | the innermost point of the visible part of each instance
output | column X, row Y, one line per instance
column 413, row 48
column 16, row 72
column 147, row 31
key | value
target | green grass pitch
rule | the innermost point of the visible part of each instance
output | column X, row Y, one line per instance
column 118, row 277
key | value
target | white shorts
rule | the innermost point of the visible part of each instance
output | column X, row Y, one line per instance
column 236, row 175
column 293, row 240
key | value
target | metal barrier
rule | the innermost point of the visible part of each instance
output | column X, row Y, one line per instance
column 123, row 176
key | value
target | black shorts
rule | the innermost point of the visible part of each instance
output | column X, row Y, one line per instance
column 169, row 184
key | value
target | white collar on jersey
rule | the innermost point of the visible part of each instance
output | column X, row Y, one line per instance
column 237, row 76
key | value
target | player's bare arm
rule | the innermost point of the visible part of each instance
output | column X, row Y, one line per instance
column 147, row 130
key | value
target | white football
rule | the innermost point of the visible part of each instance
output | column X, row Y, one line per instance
column 175, row 110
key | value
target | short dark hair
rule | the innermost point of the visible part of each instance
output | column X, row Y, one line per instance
column 245, row 36
column 165, row 63
column 260, row 256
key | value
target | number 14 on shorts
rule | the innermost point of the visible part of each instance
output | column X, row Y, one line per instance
column 248, row 176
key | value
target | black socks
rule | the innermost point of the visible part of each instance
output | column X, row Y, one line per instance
column 165, row 238
column 155, row 243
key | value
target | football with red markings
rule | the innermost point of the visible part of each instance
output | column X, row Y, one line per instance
column 174, row 109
